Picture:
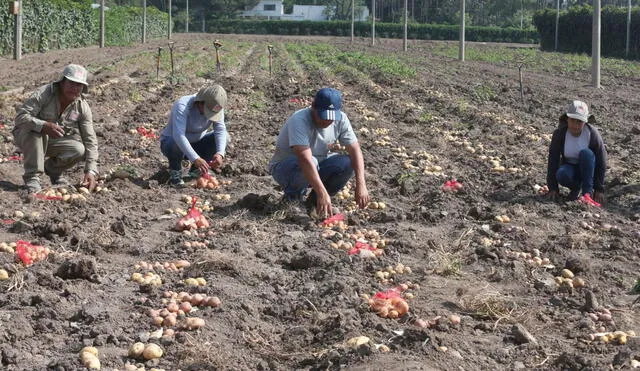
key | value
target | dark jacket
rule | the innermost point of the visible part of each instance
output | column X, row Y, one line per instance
column 556, row 155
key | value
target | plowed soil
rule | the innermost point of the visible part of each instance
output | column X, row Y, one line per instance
column 289, row 299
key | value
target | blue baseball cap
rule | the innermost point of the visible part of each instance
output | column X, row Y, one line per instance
column 328, row 103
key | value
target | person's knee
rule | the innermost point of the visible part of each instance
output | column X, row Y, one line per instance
column 586, row 154
column 76, row 152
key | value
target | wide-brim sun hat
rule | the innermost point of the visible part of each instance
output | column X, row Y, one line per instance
column 215, row 99
column 75, row 73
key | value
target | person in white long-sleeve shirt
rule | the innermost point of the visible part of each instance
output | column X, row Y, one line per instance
column 196, row 131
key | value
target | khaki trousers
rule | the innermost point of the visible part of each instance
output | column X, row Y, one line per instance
column 60, row 153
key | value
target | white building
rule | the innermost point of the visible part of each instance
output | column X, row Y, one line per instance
column 273, row 9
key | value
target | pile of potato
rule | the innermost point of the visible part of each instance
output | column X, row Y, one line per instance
column 393, row 307
column 199, row 281
column 387, row 275
column 169, row 266
column 619, row 337
column 567, row 279
column 146, row 351
column 206, row 183
column 28, row 253
column 148, row 278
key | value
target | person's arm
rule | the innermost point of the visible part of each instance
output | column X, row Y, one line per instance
column 308, row 166
column 89, row 138
column 179, row 114
column 27, row 114
column 600, row 151
column 221, row 136
column 357, row 162
column 553, row 161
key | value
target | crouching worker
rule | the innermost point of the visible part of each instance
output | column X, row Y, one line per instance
column 188, row 134
column 577, row 157
column 54, row 130
column 304, row 156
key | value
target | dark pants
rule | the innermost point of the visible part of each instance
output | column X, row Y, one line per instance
column 580, row 175
column 205, row 148
column 334, row 172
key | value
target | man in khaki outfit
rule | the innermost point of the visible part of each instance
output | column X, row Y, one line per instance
column 54, row 129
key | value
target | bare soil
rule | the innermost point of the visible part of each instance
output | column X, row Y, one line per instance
column 289, row 299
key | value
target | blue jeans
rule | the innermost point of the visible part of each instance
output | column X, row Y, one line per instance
column 575, row 176
column 205, row 148
column 335, row 172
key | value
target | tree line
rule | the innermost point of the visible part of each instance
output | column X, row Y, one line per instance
column 500, row 13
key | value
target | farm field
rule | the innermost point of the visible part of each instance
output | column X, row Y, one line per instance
column 478, row 267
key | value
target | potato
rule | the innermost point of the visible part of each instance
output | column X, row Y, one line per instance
column 567, row 273
column 92, row 350
column 152, row 351
column 90, row 361
column 136, row 350
column 4, row 275
column 193, row 323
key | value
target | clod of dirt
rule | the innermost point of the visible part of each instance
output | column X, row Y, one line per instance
column 576, row 264
column 20, row 226
column 257, row 203
column 590, row 302
column 309, row 259
column 80, row 268
column 521, row 335
column 48, row 230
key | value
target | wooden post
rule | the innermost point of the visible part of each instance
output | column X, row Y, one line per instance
column 462, row 25
column 170, row 22
column 555, row 48
column 626, row 49
column 144, row 21
column 373, row 22
column 406, row 21
column 595, row 46
column 102, row 25
column 521, row 85
column 17, row 45
column 353, row 18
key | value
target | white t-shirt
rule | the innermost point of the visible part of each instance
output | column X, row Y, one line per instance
column 300, row 130
column 573, row 145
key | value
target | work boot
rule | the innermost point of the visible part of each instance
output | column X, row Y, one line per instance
column 175, row 178
column 573, row 195
column 56, row 178
column 32, row 185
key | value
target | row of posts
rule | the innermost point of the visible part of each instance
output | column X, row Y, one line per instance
column 16, row 9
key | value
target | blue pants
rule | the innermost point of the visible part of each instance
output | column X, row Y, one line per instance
column 580, row 175
column 335, row 172
column 205, row 148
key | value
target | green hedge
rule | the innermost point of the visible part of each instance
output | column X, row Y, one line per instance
column 48, row 24
column 575, row 29
column 386, row 30
column 124, row 24
column 61, row 24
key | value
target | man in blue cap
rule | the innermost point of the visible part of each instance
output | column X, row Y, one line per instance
column 304, row 156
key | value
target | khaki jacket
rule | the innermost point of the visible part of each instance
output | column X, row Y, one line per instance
column 76, row 120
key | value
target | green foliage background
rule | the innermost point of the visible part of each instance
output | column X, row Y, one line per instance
column 392, row 30
column 574, row 30
column 61, row 24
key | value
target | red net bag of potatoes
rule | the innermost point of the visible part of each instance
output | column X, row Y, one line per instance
column 389, row 303
column 28, row 253
column 193, row 220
